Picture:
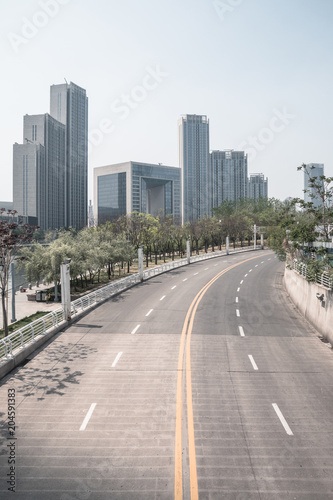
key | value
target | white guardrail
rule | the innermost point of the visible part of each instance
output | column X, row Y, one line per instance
column 323, row 279
column 28, row 334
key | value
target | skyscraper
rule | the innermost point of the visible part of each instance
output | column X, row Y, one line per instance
column 258, row 186
column 228, row 174
column 50, row 167
column 69, row 105
column 39, row 171
column 310, row 194
column 193, row 150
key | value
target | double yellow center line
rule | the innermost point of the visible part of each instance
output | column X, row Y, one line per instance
column 186, row 336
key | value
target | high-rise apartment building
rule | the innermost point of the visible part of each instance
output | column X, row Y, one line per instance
column 193, row 150
column 228, row 176
column 69, row 105
column 258, row 186
column 50, row 167
column 310, row 195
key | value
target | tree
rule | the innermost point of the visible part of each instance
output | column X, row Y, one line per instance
column 14, row 233
column 320, row 189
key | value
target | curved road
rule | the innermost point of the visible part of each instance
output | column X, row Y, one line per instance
column 202, row 383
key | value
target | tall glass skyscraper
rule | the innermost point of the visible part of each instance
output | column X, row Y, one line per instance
column 310, row 194
column 39, row 171
column 50, row 168
column 228, row 174
column 193, row 150
column 69, row 105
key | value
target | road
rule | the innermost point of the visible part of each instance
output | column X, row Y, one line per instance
column 203, row 382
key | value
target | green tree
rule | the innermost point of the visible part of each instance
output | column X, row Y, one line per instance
column 14, row 233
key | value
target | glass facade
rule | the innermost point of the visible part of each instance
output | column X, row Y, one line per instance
column 153, row 189
column 194, row 162
column 111, row 191
column 156, row 189
column 310, row 194
column 228, row 176
column 257, row 186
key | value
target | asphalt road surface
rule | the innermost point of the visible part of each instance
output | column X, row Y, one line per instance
column 203, row 382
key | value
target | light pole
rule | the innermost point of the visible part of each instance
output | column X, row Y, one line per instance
column 65, row 289
column 12, row 273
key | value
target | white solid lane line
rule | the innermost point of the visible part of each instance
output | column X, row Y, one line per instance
column 237, row 300
column 237, row 313
column 150, row 311
column 172, row 288
column 117, row 358
column 87, row 417
column 238, row 289
column 162, row 297
column 282, row 419
column 253, row 363
column 135, row 329
column 241, row 331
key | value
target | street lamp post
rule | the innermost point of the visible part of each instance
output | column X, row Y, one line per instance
column 65, row 289
column 12, row 272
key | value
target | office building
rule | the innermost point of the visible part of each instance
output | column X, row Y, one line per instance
column 69, row 105
column 228, row 174
column 39, row 171
column 50, row 167
column 258, row 186
column 193, row 151
column 136, row 187
column 313, row 170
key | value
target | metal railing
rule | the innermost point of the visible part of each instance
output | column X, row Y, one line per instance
column 323, row 279
column 28, row 334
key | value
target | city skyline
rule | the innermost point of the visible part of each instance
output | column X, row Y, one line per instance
column 261, row 71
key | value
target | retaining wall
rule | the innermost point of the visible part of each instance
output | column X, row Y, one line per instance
column 304, row 296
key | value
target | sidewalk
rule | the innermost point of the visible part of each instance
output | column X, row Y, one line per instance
column 24, row 308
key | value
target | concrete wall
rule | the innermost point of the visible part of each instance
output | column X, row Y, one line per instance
column 303, row 294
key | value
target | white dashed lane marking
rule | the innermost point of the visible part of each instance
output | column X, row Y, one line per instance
column 87, row 417
column 117, row 358
column 253, row 363
column 135, row 329
column 241, row 331
column 282, row 419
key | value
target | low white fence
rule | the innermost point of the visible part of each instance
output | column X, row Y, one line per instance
column 24, row 336
column 323, row 279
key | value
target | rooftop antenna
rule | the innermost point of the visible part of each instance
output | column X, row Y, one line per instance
column 66, row 80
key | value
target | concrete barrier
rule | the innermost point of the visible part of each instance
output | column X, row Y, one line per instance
column 314, row 301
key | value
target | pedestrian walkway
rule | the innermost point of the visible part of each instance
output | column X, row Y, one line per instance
column 25, row 307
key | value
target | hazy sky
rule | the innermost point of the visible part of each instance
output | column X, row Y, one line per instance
column 261, row 70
